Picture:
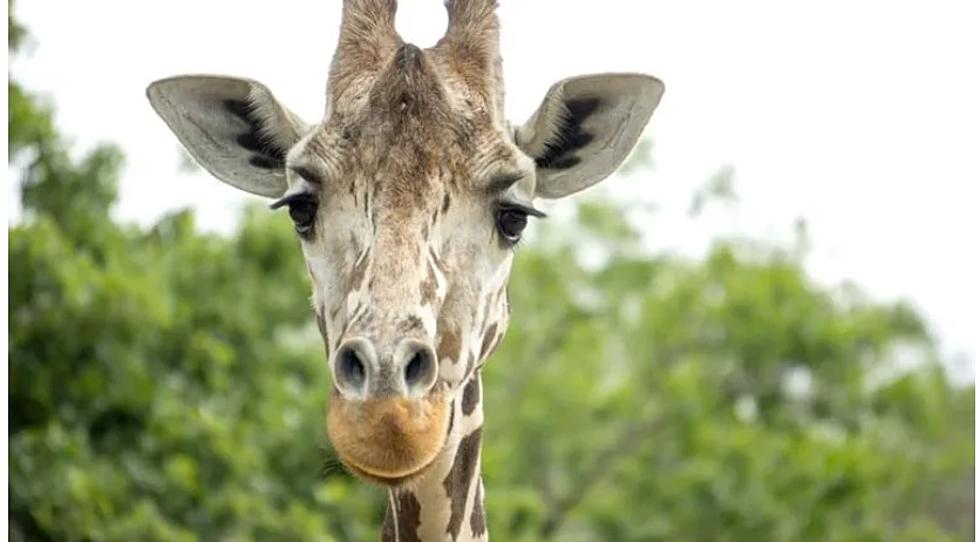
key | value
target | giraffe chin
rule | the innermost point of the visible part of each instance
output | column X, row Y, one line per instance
column 389, row 440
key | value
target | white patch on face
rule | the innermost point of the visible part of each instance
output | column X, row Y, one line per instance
column 317, row 263
column 473, row 337
column 442, row 283
column 327, row 273
column 427, row 312
column 453, row 372
column 497, row 281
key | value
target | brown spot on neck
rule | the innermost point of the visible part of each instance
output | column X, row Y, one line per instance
column 408, row 513
column 478, row 521
column 388, row 533
column 460, row 477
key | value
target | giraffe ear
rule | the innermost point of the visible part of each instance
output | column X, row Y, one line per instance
column 585, row 128
column 233, row 127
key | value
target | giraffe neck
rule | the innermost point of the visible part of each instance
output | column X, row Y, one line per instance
column 446, row 504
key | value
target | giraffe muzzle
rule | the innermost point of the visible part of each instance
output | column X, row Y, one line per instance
column 388, row 439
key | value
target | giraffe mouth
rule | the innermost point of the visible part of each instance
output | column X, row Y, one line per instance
column 391, row 481
column 389, row 440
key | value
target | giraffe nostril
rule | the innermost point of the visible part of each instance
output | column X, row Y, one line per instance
column 351, row 367
column 418, row 368
column 409, row 370
column 415, row 369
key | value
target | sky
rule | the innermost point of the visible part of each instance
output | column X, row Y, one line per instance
column 861, row 117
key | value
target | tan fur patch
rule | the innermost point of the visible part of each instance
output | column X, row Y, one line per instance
column 428, row 289
column 450, row 343
column 388, row 438
column 471, row 395
column 357, row 275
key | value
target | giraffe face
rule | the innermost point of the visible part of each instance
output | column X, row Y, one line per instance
column 408, row 198
column 408, row 206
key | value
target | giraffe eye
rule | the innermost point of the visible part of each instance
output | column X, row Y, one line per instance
column 303, row 213
column 302, row 210
column 511, row 223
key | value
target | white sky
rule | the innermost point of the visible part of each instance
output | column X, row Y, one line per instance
column 862, row 117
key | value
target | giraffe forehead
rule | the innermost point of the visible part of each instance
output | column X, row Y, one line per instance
column 385, row 177
column 412, row 147
column 430, row 89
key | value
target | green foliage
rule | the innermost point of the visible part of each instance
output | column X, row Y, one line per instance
column 169, row 385
column 729, row 399
column 165, row 385
column 15, row 32
column 28, row 123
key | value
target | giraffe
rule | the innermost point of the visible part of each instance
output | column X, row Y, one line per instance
column 408, row 198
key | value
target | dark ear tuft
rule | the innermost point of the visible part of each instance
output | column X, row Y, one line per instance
column 582, row 107
column 249, row 141
column 564, row 162
column 569, row 136
column 265, row 162
column 267, row 153
column 239, row 108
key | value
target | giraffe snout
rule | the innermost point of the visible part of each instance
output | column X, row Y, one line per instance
column 388, row 419
column 362, row 370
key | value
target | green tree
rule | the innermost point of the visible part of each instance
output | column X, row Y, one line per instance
column 165, row 384
column 727, row 399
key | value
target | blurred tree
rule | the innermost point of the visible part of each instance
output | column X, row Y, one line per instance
column 719, row 187
column 169, row 385
column 730, row 399
column 165, row 385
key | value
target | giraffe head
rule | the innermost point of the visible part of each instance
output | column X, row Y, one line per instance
column 408, row 198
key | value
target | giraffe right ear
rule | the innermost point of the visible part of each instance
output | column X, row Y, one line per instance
column 233, row 127
column 585, row 128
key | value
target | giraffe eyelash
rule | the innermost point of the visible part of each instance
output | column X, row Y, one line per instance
column 526, row 209
column 303, row 208
column 291, row 198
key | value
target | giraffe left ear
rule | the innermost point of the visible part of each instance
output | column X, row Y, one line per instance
column 233, row 127
column 585, row 128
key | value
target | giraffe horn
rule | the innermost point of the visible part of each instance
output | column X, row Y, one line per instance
column 367, row 39
column 472, row 42
column 473, row 29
